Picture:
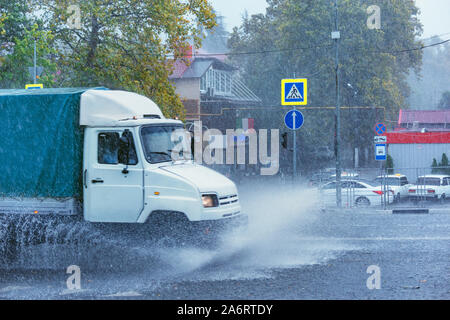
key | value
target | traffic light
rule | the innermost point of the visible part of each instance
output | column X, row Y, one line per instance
column 284, row 140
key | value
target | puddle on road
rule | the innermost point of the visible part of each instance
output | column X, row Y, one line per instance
column 278, row 217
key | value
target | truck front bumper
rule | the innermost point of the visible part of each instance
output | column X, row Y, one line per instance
column 235, row 220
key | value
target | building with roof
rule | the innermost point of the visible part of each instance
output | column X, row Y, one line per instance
column 423, row 120
column 211, row 91
column 419, row 137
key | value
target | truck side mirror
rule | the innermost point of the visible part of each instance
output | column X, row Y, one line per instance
column 124, row 150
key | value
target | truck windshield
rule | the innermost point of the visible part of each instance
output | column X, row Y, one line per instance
column 164, row 143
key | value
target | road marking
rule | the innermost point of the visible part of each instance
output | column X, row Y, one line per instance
column 377, row 239
column 73, row 291
column 13, row 288
column 125, row 294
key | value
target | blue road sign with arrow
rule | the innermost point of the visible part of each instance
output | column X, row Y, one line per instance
column 293, row 119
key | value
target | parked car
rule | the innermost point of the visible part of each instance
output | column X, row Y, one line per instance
column 431, row 186
column 360, row 193
column 346, row 175
column 397, row 182
column 319, row 178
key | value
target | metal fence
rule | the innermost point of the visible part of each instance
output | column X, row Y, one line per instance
column 397, row 186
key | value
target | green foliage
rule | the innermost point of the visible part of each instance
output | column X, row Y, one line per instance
column 216, row 39
column 434, row 77
column 16, row 23
column 293, row 37
column 434, row 166
column 444, row 103
column 444, row 164
column 14, row 67
column 126, row 43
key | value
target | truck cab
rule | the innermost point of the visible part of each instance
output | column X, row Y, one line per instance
column 137, row 163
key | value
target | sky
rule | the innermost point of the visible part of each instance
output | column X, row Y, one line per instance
column 435, row 14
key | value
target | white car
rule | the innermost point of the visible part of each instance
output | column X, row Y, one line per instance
column 397, row 182
column 358, row 193
column 346, row 175
column 435, row 186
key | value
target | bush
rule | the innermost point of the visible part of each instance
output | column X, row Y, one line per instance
column 389, row 164
column 434, row 166
column 444, row 164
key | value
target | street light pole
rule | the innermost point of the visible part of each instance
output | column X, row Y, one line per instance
column 336, row 36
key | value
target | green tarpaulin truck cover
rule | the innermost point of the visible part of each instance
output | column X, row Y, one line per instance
column 41, row 143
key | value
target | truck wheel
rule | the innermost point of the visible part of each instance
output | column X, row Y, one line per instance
column 168, row 224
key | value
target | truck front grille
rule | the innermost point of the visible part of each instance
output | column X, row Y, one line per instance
column 227, row 200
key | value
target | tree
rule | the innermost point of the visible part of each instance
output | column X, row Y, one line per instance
column 16, row 20
column 126, row 43
column 389, row 164
column 434, row 166
column 14, row 67
column 444, row 164
column 434, row 76
column 17, row 31
column 294, row 37
column 444, row 103
column 216, row 39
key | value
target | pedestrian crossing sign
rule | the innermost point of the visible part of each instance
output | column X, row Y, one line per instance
column 294, row 92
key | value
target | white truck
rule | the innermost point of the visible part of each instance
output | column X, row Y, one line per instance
column 110, row 156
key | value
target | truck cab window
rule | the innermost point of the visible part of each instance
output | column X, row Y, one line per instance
column 132, row 156
column 108, row 149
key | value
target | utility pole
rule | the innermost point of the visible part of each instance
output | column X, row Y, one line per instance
column 335, row 35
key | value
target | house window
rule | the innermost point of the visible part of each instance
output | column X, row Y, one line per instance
column 203, row 82
column 228, row 83
column 219, row 80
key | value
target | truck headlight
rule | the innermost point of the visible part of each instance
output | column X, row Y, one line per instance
column 210, row 200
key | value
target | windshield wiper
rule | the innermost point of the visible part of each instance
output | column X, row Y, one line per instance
column 160, row 152
column 183, row 156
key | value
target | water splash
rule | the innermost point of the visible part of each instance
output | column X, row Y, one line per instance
column 280, row 224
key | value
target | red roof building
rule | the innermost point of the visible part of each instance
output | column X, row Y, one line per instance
column 417, row 120
column 420, row 137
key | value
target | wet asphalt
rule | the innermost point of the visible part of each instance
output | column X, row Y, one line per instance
column 291, row 250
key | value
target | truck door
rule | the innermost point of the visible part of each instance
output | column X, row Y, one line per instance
column 113, row 191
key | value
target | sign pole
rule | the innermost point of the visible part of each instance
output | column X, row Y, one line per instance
column 34, row 62
column 294, row 140
column 294, row 132
column 294, row 92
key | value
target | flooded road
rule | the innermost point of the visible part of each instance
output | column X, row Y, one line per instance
column 291, row 250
